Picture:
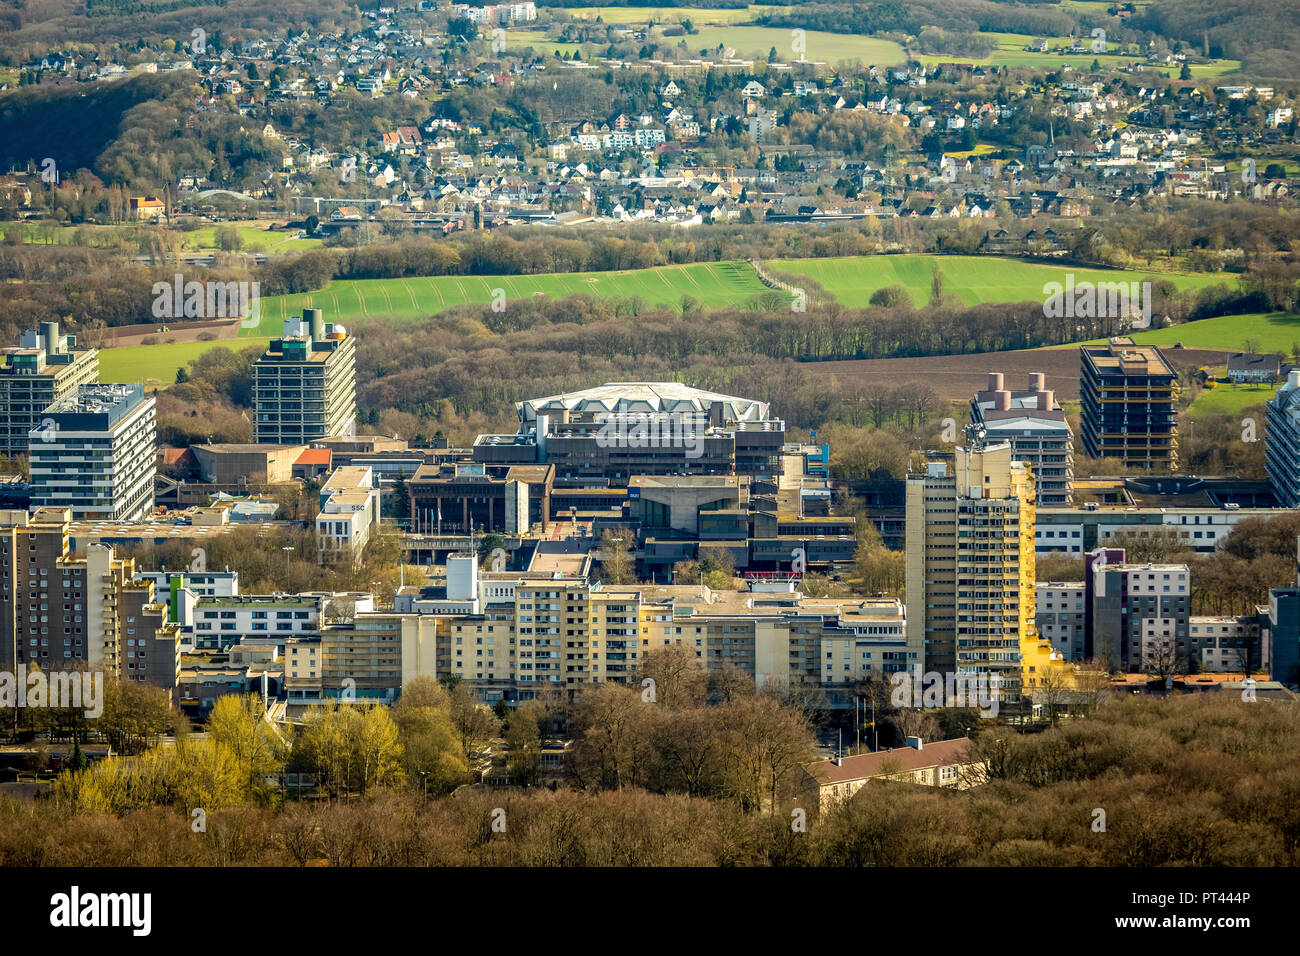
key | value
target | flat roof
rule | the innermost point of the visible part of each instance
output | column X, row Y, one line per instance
column 683, row 481
column 1123, row 356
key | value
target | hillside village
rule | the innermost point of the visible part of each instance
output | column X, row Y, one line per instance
column 720, row 138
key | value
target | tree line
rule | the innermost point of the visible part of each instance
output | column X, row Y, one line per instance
column 1193, row 780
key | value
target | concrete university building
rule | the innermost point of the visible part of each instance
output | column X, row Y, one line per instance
column 602, row 436
column 1130, row 404
column 513, row 634
column 1033, row 422
column 305, row 385
column 1282, row 442
column 95, row 454
column 45, row 368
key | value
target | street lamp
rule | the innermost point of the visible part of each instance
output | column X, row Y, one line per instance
column 286, row 551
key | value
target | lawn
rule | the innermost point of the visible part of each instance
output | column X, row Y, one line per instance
column 974, row 279
column 256, row 237
column 156, row 365
column 1230, row 399
column 521, row 39
column 750, row 41
column 715, row 284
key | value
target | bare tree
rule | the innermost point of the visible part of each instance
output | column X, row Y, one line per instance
column 679, row 677
column 1054, row 691
column 616, row 563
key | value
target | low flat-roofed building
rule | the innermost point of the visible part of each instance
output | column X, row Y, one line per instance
column 244, row 464
column 312, row 463
column 349, row 514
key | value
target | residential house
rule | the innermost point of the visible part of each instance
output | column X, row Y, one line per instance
column 946, row 763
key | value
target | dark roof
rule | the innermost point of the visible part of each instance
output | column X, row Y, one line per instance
column 1252, row 361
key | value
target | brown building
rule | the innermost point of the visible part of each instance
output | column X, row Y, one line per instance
column 246, row 464
column 1129, row 394
column 57, row 609
column 468, row 496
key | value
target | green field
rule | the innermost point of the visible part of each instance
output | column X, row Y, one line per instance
column 256, row 237
column 852, row 280
column 750, row 41
column 1011, row 52
column 1268, row 332
column 522, row 39
column 157, row 364
column 973, row 279
column 715, row 284
column 1230, row 399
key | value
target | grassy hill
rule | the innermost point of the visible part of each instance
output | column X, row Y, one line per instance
column 852, row 280
column 974, row 279
column 715, row 284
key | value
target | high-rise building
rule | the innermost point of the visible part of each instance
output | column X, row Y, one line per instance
column 1138, row 615
column 1061, row 617
column 1130, row 404
column 1282, row 441
column 516, row 635
column 96, row 453
column 970, row 564
column 1033, row 422
column 305, row 385
column 1282, row 637
column 45, row 368
column 57, row 609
